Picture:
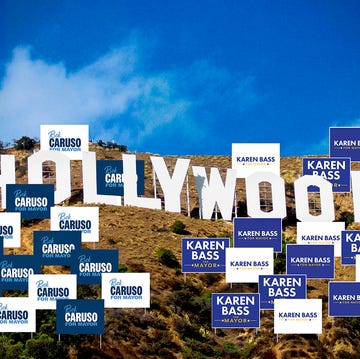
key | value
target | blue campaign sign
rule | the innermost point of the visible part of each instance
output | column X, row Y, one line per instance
column 57, row 247
column 350, row 247
column 204, row 255
column 80, row 316
column 258, row 232
column 31, row 200
column 314, row 260
column 15, row 271
column 280, row 286
column 109, row 177
column 90, row 264
column 344, row 299
column 235, row 310
column 334, row 170
column 345, row 142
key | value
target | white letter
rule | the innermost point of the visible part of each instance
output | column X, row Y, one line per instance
column 302, row 199
column 277, row 194
column 215, row 191
column 63, row 179
column 89, row 180
column 130, row 189
column 7, row 176
column 171, row 186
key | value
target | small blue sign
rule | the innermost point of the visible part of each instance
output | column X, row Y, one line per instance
column 345, row 142
column 235, row 310
column 33, row 201
column 15, row 271
column 80, row 316
column 57, row 247
column 90, row 264
column 109, row 177
column 350, row 247
column 314, row 260
column 258, row 232
column 204, row 255
column 334, row 170
column 280, row 286
column 344, row 299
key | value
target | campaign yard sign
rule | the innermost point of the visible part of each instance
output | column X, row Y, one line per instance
column 57, row 247
column 345, row 142
column 83, row 219
column 334, row 170
column 125, row 290
column 248, row 158
column 80, row 316
column 69, row 140
column 258, row 232
column 15, row 271
column 17, row 315
column 344, row 299
column 320, row 233
column 235, row 310
column 90, row 264
column 10, row 229
column 350, row 246
column 204, row 255
column 298, row 316
column 46, row 289
column 280, row 286
column 316, row 261
column 244, row 265
column 32, row 201
column 110, row 180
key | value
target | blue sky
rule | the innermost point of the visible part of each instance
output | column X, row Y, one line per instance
column 182, row 77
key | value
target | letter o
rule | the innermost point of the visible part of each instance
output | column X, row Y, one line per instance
column 302, row 203
column 253, row 195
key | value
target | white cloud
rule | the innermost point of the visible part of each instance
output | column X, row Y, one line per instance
column 121, row 102
column 34, row 92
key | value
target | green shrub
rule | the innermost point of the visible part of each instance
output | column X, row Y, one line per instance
column 167, row 257
column 25, row 143
column 347, row 217
column 178, row 227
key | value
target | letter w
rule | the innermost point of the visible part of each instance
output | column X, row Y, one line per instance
column 215, row 191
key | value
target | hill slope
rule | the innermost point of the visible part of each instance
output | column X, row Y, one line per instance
column 178, row 324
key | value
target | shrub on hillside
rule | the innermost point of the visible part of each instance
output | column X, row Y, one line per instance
column 347, row 217
column 167, row 257
column 25, row 143
column 178, row 227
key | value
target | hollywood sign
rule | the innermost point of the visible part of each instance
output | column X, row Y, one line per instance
column 211, row 191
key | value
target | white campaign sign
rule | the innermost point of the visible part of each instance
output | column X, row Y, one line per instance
column 46, row 289
column 297, row 316
column 19, row 313
column 84, row 219
column 248, row 158
column 244, row 265
column 321, row 233
column 125, row 290
column 70, row 140
column 10, row 229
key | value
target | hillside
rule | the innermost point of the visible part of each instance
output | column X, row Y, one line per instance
column 178, row 324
